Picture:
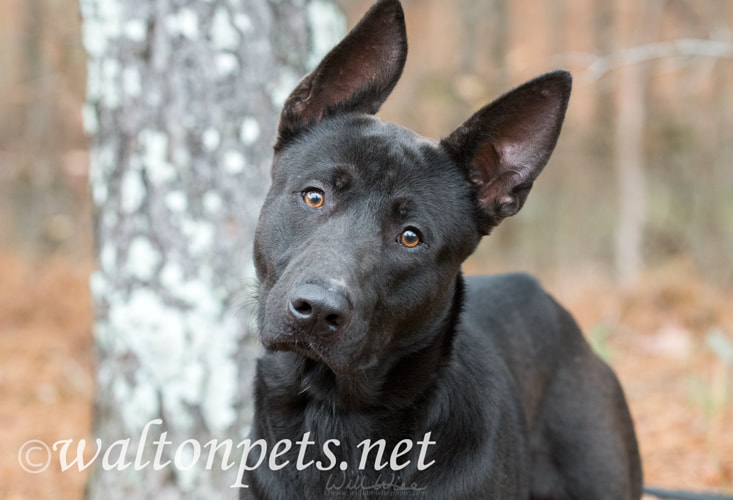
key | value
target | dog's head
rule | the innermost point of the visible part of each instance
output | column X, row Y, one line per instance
column 361, row 237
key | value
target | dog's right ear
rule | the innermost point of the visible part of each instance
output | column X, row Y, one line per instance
column 357, row 75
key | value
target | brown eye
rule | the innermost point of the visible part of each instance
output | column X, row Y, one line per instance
column 314, row 198
column 410, row 238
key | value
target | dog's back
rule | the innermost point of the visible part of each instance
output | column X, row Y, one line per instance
column 580, row 432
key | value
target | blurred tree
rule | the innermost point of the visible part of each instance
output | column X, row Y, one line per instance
column 629, row 154
column 182, row 104
column 558, row 17
column 501, row 30
column 630, row 109
column 36, row 122
column 711, row 237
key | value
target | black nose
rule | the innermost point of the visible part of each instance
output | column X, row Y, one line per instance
column 318, row 310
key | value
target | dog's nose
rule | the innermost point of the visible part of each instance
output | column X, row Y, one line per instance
column 317, row 310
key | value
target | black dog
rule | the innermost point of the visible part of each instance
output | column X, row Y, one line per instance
column 479, row 388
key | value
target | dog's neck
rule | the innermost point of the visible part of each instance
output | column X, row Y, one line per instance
column 396, row 383
column 412, row 376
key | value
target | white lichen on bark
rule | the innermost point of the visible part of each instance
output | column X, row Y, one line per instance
column 182, row 105
column 327, row 27
column 250, row 131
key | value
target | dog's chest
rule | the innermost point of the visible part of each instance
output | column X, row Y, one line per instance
column 352, row 427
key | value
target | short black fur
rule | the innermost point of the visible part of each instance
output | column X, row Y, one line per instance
column 370, row 335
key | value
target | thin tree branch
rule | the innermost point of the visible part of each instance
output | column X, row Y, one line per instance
column 598, row 66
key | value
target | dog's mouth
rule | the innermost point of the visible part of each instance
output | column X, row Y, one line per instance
column 340, row 367
column 294, row 345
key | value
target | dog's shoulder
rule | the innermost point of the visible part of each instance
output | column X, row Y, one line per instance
column 517, row 282
column 513, row 313
column 500, row 294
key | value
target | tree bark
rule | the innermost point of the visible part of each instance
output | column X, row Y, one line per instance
column 630, row 173
column 182, row 104
column 629, row 154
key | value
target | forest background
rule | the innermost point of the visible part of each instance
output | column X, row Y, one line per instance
column 631, row 224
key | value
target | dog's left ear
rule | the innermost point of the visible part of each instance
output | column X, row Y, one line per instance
column 506, row 144
column 357, row 75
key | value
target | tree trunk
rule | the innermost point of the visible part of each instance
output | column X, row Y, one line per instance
column 630, row 171
column 182, row 104
column 629, row 140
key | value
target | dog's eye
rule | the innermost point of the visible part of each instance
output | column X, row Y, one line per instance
column 410, row 238
column 314, row 198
